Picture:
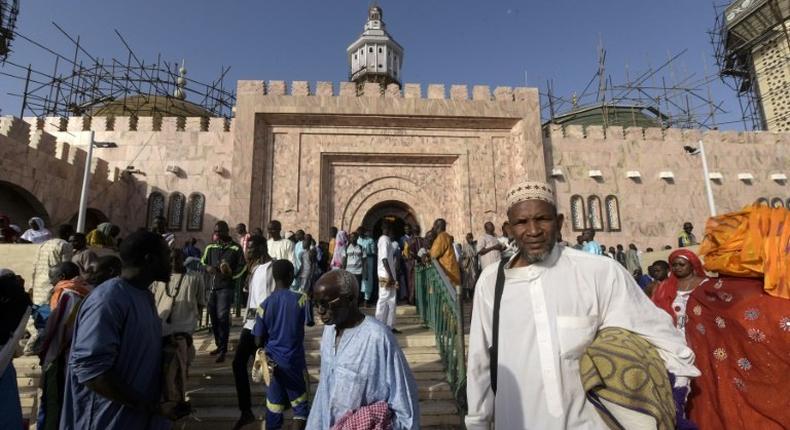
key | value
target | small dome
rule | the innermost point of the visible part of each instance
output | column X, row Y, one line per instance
column 143, row 105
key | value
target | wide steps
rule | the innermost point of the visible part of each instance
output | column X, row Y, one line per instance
column 213, row 418
column 225, row 395
column 440, row 413
column 212, row 393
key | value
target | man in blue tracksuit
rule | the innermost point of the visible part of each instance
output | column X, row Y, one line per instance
column 279, row 328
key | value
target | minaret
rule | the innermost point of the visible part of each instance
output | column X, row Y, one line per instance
column 375, row 56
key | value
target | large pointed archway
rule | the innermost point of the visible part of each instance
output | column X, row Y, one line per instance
column 20, row 205
column 396, row 213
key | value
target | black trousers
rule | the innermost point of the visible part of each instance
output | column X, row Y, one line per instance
column 241, row 368
column 219, row 313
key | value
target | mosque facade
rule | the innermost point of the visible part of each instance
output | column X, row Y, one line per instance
column 350, row 154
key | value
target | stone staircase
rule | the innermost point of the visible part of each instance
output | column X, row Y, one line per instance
column 213, row 395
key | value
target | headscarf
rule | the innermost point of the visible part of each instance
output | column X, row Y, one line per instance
column 77, row 285
column 667, row 291
column 105, row 228
column 751, row 243
column 100, row 236
column 37, row 236
column 341, row 241
column 9, row 235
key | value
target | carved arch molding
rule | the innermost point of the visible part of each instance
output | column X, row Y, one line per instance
column 384, row 189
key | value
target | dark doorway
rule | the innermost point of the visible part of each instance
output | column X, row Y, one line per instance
column 93, row 217
column 20, row 205
column 398, row 214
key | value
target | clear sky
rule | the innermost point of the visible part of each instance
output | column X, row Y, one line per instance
column 493, row 42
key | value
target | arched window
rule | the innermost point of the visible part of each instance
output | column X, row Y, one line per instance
column 612, row 213
column 577, row 213
column 762, row 201
column 156, row 207
column 195, row 209
column 175, row 211
column 776, row 202
column 595, row 214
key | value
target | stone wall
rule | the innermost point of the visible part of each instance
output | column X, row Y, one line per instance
column 652, row 209
column 169, row 155
column 51, row 170
column 314, row 156
column 20, row 259
column 322, row 157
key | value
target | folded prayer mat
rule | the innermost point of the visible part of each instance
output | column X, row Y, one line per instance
column 627, row 381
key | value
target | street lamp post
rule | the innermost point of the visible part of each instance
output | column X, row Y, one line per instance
column 85, row 183
column 86, row 179
column 708, row 190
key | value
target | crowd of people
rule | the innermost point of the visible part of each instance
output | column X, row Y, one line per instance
column 112, row 322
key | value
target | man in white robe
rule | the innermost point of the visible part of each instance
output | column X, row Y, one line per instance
column 555, row 299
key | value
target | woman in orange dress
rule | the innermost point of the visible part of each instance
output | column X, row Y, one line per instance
column 741, row 338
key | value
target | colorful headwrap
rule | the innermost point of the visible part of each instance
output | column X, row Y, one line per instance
column 751, row 243
column 668, row 290
column 530, row 190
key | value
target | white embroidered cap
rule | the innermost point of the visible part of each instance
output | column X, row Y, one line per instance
column 530, row 190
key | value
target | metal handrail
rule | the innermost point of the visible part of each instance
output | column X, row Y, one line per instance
column 440, row 308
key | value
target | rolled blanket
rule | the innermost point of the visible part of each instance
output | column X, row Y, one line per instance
column 627, row 381
column 371, row 417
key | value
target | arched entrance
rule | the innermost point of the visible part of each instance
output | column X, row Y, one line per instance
column 93, row 217
column 397, row 213
column 20, row 205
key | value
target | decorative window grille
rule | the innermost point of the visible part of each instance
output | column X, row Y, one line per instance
column 612, row 213
column 578, row 215
column 175, row 211
column 196, row 206
column 595, row 214
column 156, row 207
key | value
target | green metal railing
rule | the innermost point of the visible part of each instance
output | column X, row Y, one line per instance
column 441, row 309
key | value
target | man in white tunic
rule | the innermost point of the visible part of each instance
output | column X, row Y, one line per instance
column 554, row 301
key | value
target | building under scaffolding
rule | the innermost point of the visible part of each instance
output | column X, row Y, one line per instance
column 648, row 100
column 82, row 84
column 752, row 47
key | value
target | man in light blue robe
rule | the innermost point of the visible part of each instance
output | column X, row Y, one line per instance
column 361, row 361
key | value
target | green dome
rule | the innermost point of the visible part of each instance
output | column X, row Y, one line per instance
column 617, row 115
column 144, row 105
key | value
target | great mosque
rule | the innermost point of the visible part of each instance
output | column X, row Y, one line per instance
column 316, row 155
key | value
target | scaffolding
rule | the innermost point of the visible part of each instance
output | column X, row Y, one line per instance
column 658, row 97
column 9, row 9
column 82, row 84
column 739, row 29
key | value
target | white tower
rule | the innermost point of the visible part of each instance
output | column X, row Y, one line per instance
column 375, row 56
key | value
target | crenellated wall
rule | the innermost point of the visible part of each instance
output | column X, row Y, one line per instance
column 369, row 89
column 199, row 148
column 326, row 154
column 652, row 208
column 50, row 170
column 323, row 154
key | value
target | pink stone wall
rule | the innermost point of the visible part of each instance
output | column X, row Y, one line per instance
column 328, row 160
column 201, row 151
column 652, row 210
column 317, row 159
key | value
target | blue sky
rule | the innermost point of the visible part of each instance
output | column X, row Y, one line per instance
column 462, row 41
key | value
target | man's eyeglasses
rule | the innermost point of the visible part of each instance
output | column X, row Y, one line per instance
column 324, row 304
